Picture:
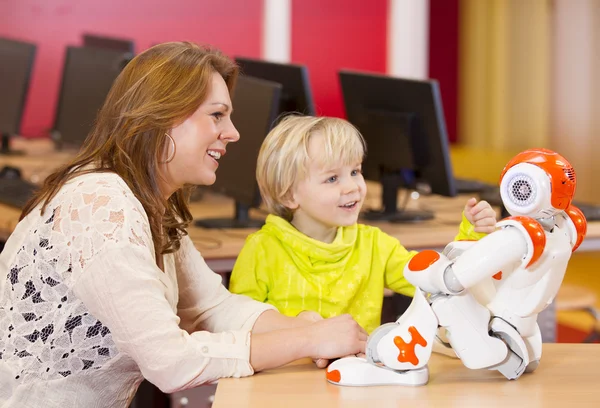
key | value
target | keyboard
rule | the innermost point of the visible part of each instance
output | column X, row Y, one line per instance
column 465, row 186
column 15, row 191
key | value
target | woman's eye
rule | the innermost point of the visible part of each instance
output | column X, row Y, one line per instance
column 217, row 115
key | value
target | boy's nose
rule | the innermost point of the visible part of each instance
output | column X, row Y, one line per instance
column 350, row 186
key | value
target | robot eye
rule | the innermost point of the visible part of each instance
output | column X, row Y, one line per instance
column 521, row 190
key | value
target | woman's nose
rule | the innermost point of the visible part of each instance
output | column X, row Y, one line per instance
column 230, row 133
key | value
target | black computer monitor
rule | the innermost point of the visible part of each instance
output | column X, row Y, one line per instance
column 296, row 95
column 110, row 43
column 402, row 122
column 255, row 103
column 88, row 75
column 16, row 62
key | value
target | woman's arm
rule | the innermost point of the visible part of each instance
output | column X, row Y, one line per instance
column 273, row 320
column 329, row 338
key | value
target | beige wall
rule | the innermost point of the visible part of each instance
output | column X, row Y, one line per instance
column 504, row 73
column 530, row 77
column 575, row 84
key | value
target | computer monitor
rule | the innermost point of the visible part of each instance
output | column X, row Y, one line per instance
column 296, row 95
column 88, row 75
column 109, row 43
column 255, row 106
column 402, row 122
column 16, row 62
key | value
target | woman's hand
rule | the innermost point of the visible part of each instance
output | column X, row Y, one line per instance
column 336, row 337
column 310, row 316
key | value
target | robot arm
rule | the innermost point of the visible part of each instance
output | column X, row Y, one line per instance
column 520, row 240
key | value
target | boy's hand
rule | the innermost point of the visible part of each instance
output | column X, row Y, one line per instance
column 481, row 215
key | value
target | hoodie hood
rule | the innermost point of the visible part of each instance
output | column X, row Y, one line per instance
column 311, row 255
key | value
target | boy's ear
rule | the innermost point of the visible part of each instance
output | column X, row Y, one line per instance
column 289, row 201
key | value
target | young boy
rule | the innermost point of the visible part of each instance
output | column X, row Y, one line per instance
column 311, row 258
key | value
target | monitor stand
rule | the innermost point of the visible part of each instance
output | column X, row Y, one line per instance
column 240, row 220
column 5, row 149
column 390, row 183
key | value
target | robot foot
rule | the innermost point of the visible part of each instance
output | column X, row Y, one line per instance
column 531, row 367
column 356, row 371
column 517, row 359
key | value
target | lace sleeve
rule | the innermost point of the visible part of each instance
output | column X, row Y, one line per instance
column 95, row 214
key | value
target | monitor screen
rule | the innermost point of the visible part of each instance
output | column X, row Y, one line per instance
column 296, row 95
column 16, row 61
column 110, row 43
column 255, row 106
column 88, row 75
column 403, row 124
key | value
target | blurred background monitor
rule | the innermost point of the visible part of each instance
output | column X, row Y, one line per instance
column 403, row 124
column 16, row 62
column 296, row 95
column 109, row 43
column 255, row 106
column 88, row 75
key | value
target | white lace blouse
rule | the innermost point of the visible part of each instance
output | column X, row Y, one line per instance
column 85, row 313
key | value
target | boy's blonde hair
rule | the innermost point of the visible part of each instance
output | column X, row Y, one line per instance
column 283, row 159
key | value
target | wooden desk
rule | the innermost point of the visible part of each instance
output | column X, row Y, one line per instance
column 568, row 376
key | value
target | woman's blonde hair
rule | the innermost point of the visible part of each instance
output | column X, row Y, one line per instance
column 284, row 160
column 158, row 90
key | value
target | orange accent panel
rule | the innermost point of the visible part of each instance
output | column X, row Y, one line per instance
column 498, row 276
column 423, row 260
column 334, row 376
column 407, row 350
column 536, row 233
column 560, row 171
column 580, row 222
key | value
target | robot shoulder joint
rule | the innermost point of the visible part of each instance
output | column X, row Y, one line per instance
column 534, row 233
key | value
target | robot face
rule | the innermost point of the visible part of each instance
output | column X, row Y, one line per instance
column 537, row 183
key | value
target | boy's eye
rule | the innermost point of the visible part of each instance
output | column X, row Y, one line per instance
column 356, row 172
column 332, row 179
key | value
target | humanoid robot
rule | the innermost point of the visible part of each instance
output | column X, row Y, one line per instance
column 484, row 296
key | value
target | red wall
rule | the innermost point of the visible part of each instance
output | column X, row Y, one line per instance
column 233, row 25
column 328, row 35
column 443, row 57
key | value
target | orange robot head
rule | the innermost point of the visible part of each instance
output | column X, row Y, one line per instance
column 537, row 183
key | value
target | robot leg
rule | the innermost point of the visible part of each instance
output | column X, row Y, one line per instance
column 517, row 357
column 534, row 347
column 397, row 353
column 467, row 324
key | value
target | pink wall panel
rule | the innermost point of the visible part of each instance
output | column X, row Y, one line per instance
column 232, row 25
column 334, row 34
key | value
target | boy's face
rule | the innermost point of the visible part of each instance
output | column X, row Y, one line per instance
column 329, row 197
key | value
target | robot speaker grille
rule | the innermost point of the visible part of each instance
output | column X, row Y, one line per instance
column 521, row 190
column 570, row 173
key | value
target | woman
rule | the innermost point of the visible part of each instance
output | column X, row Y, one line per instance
column 103, row 286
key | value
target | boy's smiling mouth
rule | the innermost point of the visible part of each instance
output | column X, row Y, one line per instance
column 350, row 205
